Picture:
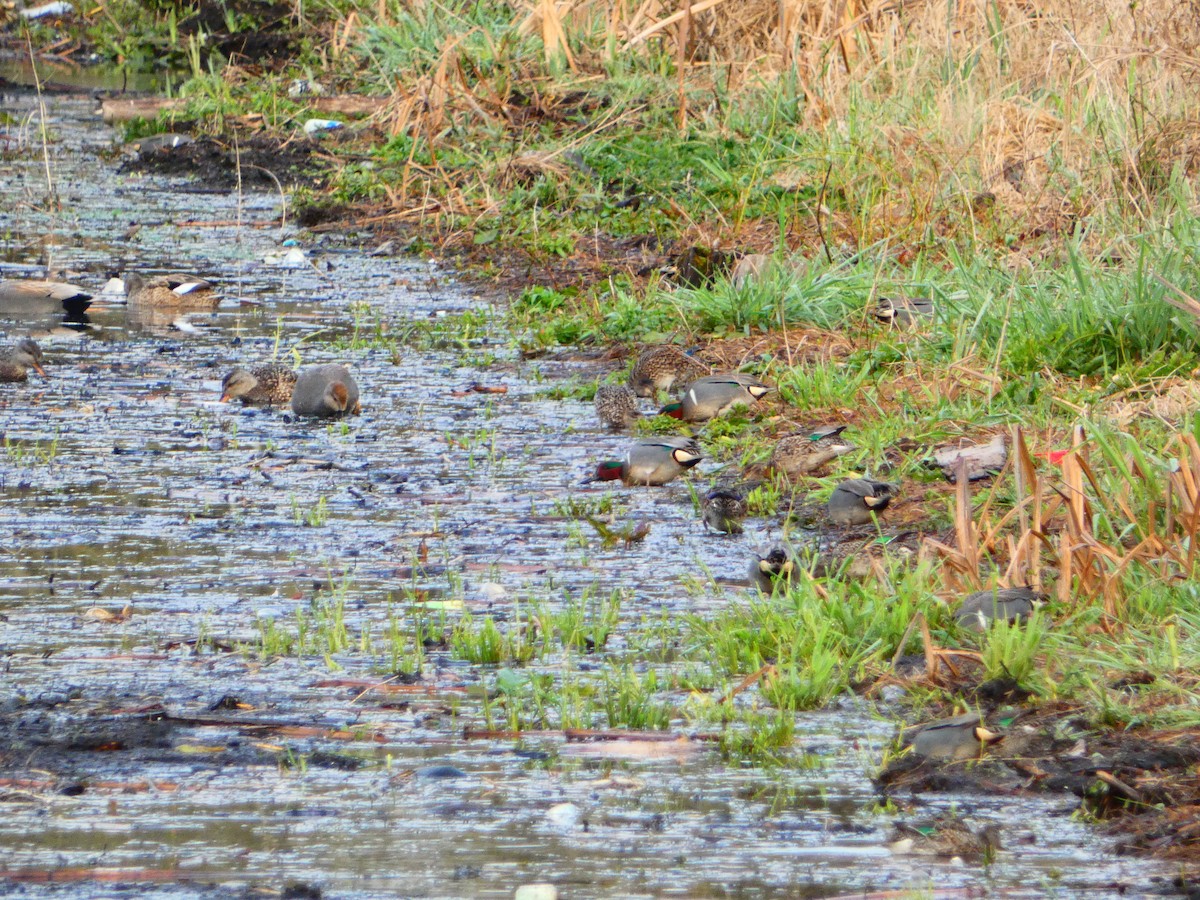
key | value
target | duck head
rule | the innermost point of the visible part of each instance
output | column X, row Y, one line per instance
column 609, row 470
column 28, row 353
column 674, row 410
column 337, row 396
column 237, row 383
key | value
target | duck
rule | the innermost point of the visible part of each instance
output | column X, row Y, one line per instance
column 957, row 738
column 946, row 836
column 1016, row 604
column 857, row 500
column 616, row 406
column 904, row 312
column 27, row 299
column 662, row 368
column 16, row 363
column 179, row 291
column 773, row 571
column 325, row 392
column 806, row 451
column 653, row 461
column 723, row 511
column 267, row 385
column 713, row 395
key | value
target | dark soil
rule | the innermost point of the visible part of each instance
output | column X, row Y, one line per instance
column 259, row 161
column 265, row 34
column 53, row 738
column 1143, row 783
column 272, row 39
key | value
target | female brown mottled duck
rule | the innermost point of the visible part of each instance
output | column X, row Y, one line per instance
column 662, row 368
column 616, row 406
column 173, row 291
column 16, row 363
column 269, row 385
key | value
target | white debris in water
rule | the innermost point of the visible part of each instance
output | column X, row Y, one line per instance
column 184, row 325
column 563, row 815
column 47, row 9
column 541, row 891
column 293, row 259
column 114, row 287
column 492, row 592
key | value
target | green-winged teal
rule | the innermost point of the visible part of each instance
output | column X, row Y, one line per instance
column 269, row 385
column 662, row 368
column 16, row 363
column 27, row 299
column 981, row 609
column 652, row 461
column 325, row 391
column 946, row 836
column 957, row 738
column 616, row 406
column 904, row 312
column 711, row 396
column 806, row 451
column 773, row 571
column 174, row 291
column 724, row 511
column 855, row 501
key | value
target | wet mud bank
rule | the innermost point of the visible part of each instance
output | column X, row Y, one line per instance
column 233, row 655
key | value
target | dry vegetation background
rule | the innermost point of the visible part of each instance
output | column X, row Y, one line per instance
column 1039, row 115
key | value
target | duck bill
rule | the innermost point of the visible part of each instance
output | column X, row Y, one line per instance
column 37, row 368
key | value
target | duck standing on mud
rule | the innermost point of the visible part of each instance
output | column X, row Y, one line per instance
column 857, row 500
column 805, row 451
column 957, row 738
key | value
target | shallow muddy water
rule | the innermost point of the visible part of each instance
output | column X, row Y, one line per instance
column 124, row 482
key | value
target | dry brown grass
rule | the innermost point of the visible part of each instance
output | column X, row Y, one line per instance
column 1050, row 532
column 1035, row 116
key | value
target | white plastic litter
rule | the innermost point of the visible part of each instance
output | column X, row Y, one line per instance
column 315, row 126
column 47, row 9
column 293, row 259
